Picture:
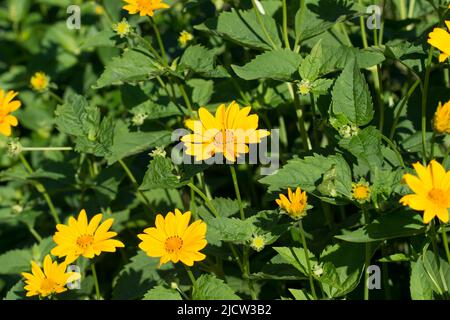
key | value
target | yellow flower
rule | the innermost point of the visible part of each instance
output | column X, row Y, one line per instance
column 184, row 38
column 174, row 239
column 361, row 191
column 80, row 238
column 431, row 191
column 440, row 39
column 39, row 81
column 122, row 28
column 228, row 132
column 296, row 205
column 304, row 87
column 99, row 10
column 51, row 280
column 7, row 105
column 144, row 7
column 442, row 118
column 258, row 243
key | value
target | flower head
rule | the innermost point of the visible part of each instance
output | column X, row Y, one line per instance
column 122, row 28
column 40, row 81
column 144, row 7
column 440, row 38
column 184, row 38
column 361, row 191
column 51, row 280
column 80, row 238
column 258, row 243
column 304, row 87
column 295, row 204
column 174, row 239
column 8, row 105
column 431, row 191
column 99, row 10
column 441, row 121
column 228, row 132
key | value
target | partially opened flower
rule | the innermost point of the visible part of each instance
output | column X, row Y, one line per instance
column 51, row 280
column 228, row 132
column 295, row 204
column 440, row 38
column 122, row 28
column 361, row 191
column 174, row 239
column 441, row 121
column 8, row 105
column 40, row 81
column 184, row 38
column 144, row 7
column 80, row 238
column 431, row 191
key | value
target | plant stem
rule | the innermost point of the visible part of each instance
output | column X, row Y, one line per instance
column 190, row 274
column 56, row 97
column 97, row 288
column 41, row 189
column 308, row 262
column 285, row 26
column 130, row 175
column 186, row 98
column 299, row 109
column 47, row 148
column 445, row 241
column 394, row 148
column 236, row 189
column 34, row 233
column 367, row 258
column 424, row 105
column 160, row 43
column 315, row 132
column 205, row 198
column 363, row 29
column 150, row 47
column 263, row 27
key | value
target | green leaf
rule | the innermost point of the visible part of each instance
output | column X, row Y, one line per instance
column 300, row 294
column 351, row 96
column 208, row 287
column 243, row 28
column 397, row 224
column 278, row 65
column 202, row 90
column 132, row 66
column 297, row 258
column 231, row 229
column 128, row 143
column 161, row 293
column 396, row 257
column 15, row 261
column 152, row 110
column 160, row 175
column 202, row 61
column 310, row 66
column 102, row 38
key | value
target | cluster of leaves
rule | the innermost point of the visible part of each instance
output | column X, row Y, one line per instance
column 120, row 101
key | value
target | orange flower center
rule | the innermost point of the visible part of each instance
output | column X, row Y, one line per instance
column 48, row 285
column 438, row 196
column 173, row 244
column 85, row 241
column 224, row 137
column 361, row 192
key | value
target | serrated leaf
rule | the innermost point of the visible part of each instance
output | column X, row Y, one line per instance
column 160, row 175
column 208, row 287
column 202, row 61
column 231, row 229
column 161, row 293
column 297, row 258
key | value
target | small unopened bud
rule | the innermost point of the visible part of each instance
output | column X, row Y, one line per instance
column 139, row 118
column 158, row 152
column 348, row 131
column 174, row 285
column 14, row 147
column 317, row 270
column 16, row 209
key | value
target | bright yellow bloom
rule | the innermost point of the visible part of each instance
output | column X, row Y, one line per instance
column 40, row 81
column 184, row 38
column 431, row 191
column 258, row 243
column 440, row 39
column 174, row 239
column 361, row 191
column 296, row 205
column 51, row 280
column 228, row 132
column 7, row 105
column 441, row 120
column 80, row 238
column 304, row 87
column 99, row 10
column 144, row 7
column 122, row 28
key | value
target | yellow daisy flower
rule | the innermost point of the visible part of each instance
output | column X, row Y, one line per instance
column 8, row 105
column 122, row 28
column 99, row 10
column 295, row 206
column 184, row 38
column 431, row 191
column 228, row 132
column 361, row 191
column 441, row 120
column 258, row 243
column 80, row 238
column 144, row 7
column 40, row 81
column 174, row 239
column 440, row 38
column 51, row 280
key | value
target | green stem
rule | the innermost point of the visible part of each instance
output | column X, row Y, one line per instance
column 263, row 27
column 363, row 29
column 47, row 148
column 97, row 288
column 315, row 132
column 205, row 198
column 186, row 98
column 424, row 105
column 367, row 258
column 190, row 274
column 308, row 262
column 299, row 109
column 445, row 241
column 285, row 26
column 130, row 175
column 412, row 3
column 160, row 43
column 236, row 189
column 149, row 46
column 56, row 97
column 34, row 233
column 42, row 190
column 379, row 90
column 394, row 148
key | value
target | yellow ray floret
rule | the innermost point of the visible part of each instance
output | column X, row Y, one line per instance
column 144, row 7
column 295, row 204
column 440, row 38
column 173, row 239
column 441, row 121
column 8, row 105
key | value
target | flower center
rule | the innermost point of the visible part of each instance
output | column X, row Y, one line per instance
column 143, row 4
column 223, row 138
column 361, row 192
column 85, row 241
column 438, row 196
column 173, row 244
column 48, row 285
